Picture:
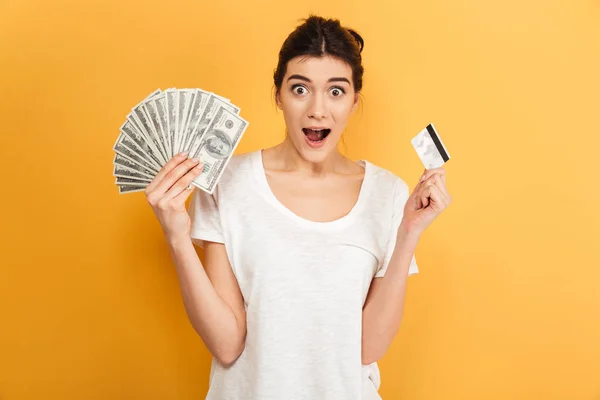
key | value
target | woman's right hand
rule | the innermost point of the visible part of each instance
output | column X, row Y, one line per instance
column 168, row 192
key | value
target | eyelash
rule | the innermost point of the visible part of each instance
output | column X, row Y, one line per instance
column 294, row 87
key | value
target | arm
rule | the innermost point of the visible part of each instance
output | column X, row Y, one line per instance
column 212, row 298
column 211, row 294
column 384, row 305
column 383, row 308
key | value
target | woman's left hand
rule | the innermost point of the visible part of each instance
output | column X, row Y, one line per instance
column 427, row 201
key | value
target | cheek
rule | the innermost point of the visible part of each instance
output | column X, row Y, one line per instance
column 293, row 110
column 342, row 111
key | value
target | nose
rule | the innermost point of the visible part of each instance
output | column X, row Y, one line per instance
column 317, row 108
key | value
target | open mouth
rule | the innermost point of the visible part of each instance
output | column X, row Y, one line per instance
column 316, row 135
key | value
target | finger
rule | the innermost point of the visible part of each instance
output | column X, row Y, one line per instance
column 419, row 184
column 183, row 196
column 432, row 185
column 430, row 172
column 437, row 180
column 423, row 197
column 440, row 185
column 437, row 199
column 434, row 171
column 417, row 199
column 172, row 163
column 183, row 187
column 444, row 197
column 443, row 176
column 175, row 175
column 427, row 176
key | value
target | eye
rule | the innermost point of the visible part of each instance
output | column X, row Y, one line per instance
column 337, row 91
column 299, row 89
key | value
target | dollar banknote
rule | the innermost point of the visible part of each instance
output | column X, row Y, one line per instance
column 131, row 189
column 126, row 148
column 141, row 143
column 183, row 108
column 171, row 102
column 216, row 147
column 140, row 122
column 161, row 109
column 130, row 181
column 120, row 161
column 201, row 99
column 213, row 104
column 151, row 109
column 124, row 172
column 165, row 123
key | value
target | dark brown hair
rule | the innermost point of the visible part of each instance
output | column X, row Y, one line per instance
column 318, row 37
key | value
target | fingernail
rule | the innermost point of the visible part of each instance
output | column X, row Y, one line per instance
column 183, row 154
column 199, row 166
column 195, row 160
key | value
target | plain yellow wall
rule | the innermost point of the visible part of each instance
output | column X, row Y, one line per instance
column 507, row 304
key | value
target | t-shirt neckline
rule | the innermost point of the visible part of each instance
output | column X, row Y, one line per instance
column 265, row 189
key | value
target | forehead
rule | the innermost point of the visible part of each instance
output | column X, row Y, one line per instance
column 319, row 69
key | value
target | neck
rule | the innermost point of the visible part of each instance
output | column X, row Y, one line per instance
column 289, row 159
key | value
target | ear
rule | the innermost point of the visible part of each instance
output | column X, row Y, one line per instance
column 278, row 100
column 355, row 104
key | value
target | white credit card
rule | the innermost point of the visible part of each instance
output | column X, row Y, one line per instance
column 430, row 148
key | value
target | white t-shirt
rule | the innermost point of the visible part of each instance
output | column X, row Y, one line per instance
column 304, row 283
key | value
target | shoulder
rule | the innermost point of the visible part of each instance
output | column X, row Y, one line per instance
column 240, row 163
column 238, row 173
column 387, row 184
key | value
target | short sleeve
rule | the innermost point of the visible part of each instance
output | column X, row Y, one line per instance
column 400, row 196
column 206, row 220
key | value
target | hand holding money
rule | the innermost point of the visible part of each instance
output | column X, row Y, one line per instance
column 201, row 123
column 168, row 192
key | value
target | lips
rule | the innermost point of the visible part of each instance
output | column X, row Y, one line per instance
column 316, row 134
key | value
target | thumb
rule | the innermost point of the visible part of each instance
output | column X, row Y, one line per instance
column 423, row 200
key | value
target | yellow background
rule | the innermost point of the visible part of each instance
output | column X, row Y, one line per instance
column 507, row 304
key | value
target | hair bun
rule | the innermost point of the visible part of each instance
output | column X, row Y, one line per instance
column 359, row 39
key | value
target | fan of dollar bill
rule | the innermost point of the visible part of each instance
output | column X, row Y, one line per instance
column 169, row 122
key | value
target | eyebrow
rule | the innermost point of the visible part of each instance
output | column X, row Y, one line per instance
column 303, row 78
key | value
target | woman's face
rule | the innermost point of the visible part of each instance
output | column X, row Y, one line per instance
column 317, row 98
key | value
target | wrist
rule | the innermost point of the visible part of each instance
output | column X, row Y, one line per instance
column 177, row 241
column 409, row 233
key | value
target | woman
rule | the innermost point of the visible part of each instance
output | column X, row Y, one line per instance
column 307, row 253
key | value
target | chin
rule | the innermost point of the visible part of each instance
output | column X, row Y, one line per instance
column 316, row 152
column 315, row 156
